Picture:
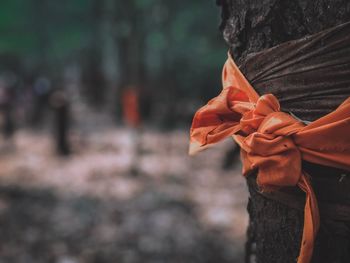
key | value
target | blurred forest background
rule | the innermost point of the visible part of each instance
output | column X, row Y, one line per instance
column 96, row 101
column 94, row 49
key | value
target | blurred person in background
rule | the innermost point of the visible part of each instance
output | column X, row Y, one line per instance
column 60, row 105
column 41, row 92
column 6, row 111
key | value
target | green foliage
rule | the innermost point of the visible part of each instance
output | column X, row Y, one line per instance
column 14, row 27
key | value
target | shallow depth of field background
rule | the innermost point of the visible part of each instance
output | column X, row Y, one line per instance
column 96, row 101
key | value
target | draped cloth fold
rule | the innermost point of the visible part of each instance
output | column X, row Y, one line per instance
column 274, row 142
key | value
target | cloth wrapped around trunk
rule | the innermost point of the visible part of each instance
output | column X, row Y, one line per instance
column 309, row 78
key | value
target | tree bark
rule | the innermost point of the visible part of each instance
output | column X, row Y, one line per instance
column 276, row 224
column 252, row 26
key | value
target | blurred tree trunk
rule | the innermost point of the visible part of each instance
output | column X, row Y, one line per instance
column 94, row 82
column 102, row 71
column 110, row 56
column 275, row 229
column 131, row 38
column 41, row 25
column 131, row 33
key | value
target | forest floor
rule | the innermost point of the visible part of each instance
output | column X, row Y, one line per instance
column 106, row 204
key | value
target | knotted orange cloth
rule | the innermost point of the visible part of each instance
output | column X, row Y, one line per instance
column 274, row 142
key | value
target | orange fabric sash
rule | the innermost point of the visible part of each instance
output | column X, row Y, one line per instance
column 274, row 142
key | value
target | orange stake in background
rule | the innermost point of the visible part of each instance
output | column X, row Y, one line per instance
column 274, row 142
column 130, row 103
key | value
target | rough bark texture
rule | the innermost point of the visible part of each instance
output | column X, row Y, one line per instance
column 251, row 26
column 276, row 221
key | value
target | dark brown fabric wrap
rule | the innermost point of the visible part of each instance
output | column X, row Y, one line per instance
column 309, row 76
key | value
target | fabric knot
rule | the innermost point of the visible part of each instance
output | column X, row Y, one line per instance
column 273, row 142
column 267, row 144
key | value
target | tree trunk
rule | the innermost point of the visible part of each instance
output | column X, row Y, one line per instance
column 276, row 221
